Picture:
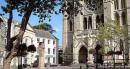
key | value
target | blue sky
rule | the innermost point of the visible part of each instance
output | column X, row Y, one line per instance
column 56, row 21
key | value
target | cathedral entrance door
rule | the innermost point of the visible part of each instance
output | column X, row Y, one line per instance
column 83, row 55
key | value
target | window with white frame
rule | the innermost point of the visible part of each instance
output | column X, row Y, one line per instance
column 53, row 41
column 38, row 40
column 53, row 59
column 43, row 40
column 54, row 51
column 48, row 59
column 48, row 50
column 48, row 41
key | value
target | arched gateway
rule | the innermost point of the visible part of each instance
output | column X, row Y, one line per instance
column 83, row 54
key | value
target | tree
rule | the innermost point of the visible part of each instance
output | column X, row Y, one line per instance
column 31, row 48
column 44, row 26
column 113, row 32
column 22, row 51
column 41, row 8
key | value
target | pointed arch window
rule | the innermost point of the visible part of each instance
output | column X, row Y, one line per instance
column 102, row 18
column 70, row 26
column 97, row 21
column 90, row 22
column 116, row 4
column 117, row 17
column 123, row 18
column 123, row 3
column 85, row 23
column 121, row 45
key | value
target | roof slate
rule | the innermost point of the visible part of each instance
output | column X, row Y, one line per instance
column 43, row 33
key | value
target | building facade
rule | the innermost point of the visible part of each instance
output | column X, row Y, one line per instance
column 83, row 25
column 33, row 37
column 2, row 39
column 50, row 43
column 30, row 37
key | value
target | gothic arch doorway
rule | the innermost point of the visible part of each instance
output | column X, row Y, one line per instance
column 83, row 54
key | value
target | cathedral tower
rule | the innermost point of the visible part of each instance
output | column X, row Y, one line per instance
column 68, row 29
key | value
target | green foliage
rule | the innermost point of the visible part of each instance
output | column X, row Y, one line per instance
column 73, row 7
column 31, row 48
column 111, row 31
column 22, row 50
column 102, row 50
column 94, row 5
column 44, row 26
column 40, row 8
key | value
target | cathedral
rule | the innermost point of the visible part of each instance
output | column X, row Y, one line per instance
column 77, row 31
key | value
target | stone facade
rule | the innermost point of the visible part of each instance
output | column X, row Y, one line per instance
column 2, row 39
column 75, row 42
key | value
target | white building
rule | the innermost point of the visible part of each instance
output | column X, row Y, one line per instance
column 33, row 37
column 51, row 45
